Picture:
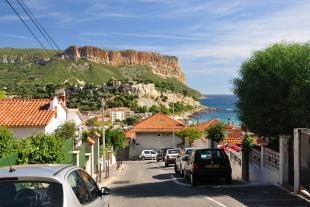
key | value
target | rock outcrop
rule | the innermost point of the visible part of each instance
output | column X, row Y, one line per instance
column 166, row 66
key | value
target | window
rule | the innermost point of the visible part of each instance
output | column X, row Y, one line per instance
column 153, row 152
column 147, row 152
column 78, row 187
column 90, row 184
column 31, row 193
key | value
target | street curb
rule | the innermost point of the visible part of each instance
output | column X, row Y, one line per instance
column 110, row 180
column 292, row 193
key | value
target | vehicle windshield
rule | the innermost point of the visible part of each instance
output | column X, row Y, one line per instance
column 30, row 194
column 210, row 155
column 173, row 151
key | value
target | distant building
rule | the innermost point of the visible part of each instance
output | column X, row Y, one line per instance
column 154, row 132
column 119, row 113
column 25, row 117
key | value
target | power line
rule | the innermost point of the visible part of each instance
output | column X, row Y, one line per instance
column 33, row 34
column 38, row 23
column 32, row 20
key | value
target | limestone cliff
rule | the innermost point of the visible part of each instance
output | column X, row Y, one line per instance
column 166, row 66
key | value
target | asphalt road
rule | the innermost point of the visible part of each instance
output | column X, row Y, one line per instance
column 150, row 184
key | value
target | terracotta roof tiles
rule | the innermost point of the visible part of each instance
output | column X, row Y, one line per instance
column 25, row 112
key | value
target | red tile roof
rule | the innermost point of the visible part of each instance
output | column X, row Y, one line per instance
column 158, row 123
column 25, row 112
column 204, row 125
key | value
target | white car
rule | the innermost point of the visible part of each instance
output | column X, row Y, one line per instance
column 171, row 155
column 180, row 160
column 148, row 154
column 55, row 185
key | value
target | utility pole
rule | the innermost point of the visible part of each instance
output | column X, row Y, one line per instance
column 103, row 133
column 173, row 134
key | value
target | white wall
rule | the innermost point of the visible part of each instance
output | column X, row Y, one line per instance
column 151, row 141
column 59, row 119
column 20, row 132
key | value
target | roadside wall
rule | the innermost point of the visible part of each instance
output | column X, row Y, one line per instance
column 235, row 162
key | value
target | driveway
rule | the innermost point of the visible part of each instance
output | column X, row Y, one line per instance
column 150, row 184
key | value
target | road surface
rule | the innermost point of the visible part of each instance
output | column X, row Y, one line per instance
column 150, row 184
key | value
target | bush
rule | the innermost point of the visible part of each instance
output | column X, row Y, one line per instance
column 216, row 132
column 115, row 138
column 66, row 130
column 7, row 142
column 40, row 149
column 190, row 133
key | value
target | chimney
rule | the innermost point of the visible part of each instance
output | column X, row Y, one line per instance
column 61, row 94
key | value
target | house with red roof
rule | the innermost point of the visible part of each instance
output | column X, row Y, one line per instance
column 25, row 117
column 154, row 132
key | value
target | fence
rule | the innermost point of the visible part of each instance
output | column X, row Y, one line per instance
column 68, row 147
column 236, row 164
column 264, row 167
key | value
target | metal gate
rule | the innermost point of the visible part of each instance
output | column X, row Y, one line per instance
column 304, row 167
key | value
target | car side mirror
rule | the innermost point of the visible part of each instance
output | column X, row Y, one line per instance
column 105, row 191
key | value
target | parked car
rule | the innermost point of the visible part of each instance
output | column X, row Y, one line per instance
column 180, row 160
column 49, row 186
column 161, row 154
column 148, row 154
column 170, row 156
column 207, row 163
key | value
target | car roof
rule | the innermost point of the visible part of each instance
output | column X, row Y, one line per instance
column 42, row 170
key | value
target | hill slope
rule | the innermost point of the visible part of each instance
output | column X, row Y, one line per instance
column 35, row 66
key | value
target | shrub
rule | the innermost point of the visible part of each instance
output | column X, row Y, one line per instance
column 66, row 130
column 7, row 142
column 216, row 132
column 40, row 149
column 190, row 133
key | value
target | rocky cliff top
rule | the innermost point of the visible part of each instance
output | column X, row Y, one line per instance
column 166, row 66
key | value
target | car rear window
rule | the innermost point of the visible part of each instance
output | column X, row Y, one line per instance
column 31, row 193
column 189, row 151
column 210, row 155
column 173, row 151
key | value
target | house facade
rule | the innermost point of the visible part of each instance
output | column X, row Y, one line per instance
column 25, row 117
column 155, row 132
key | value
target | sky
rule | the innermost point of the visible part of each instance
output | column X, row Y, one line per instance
column 211, row 38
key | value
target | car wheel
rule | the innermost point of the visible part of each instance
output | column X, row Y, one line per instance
column 143, row 158
column 176, row 169
column 228, row 179
column 193, row 180
column 157, row 160
column 166, row 164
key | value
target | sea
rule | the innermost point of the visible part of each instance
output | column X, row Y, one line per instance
column 225, row 105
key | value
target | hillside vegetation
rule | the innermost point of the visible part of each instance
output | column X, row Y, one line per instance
column 56, row 71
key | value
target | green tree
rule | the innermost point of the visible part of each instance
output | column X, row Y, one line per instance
column 115, row 138
column 93, row 122
column 247, row 146
column 273, row 89
column 131, row 120
column 190, row 133
column 215, row 132
column 7, row 142
column 2, row 94
column 41, row 149
column 66, row 130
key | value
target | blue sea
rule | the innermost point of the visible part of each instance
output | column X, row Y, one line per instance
column 226, row 105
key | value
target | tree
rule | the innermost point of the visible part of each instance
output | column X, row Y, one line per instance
column 247, row 146
column 2, row 94
column 7, row 142
column 131, row 120
column 40, row 149
column 274, row 89
column 115, row 138
column 190, row 133
column 66, row 130
column 215, row 132
column 93, row 122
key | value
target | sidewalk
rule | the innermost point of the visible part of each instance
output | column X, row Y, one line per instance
column 114, row 173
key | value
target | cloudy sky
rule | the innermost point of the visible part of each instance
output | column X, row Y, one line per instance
column 210, row 37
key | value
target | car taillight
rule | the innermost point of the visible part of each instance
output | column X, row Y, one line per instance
column 195, row 165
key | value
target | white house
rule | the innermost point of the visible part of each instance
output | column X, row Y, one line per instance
column 155, row 132
column 119, row 113
column 25, row 117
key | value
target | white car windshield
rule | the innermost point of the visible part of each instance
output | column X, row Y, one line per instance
column 30, row 194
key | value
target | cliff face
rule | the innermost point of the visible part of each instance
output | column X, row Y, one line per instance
column 166, row 66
